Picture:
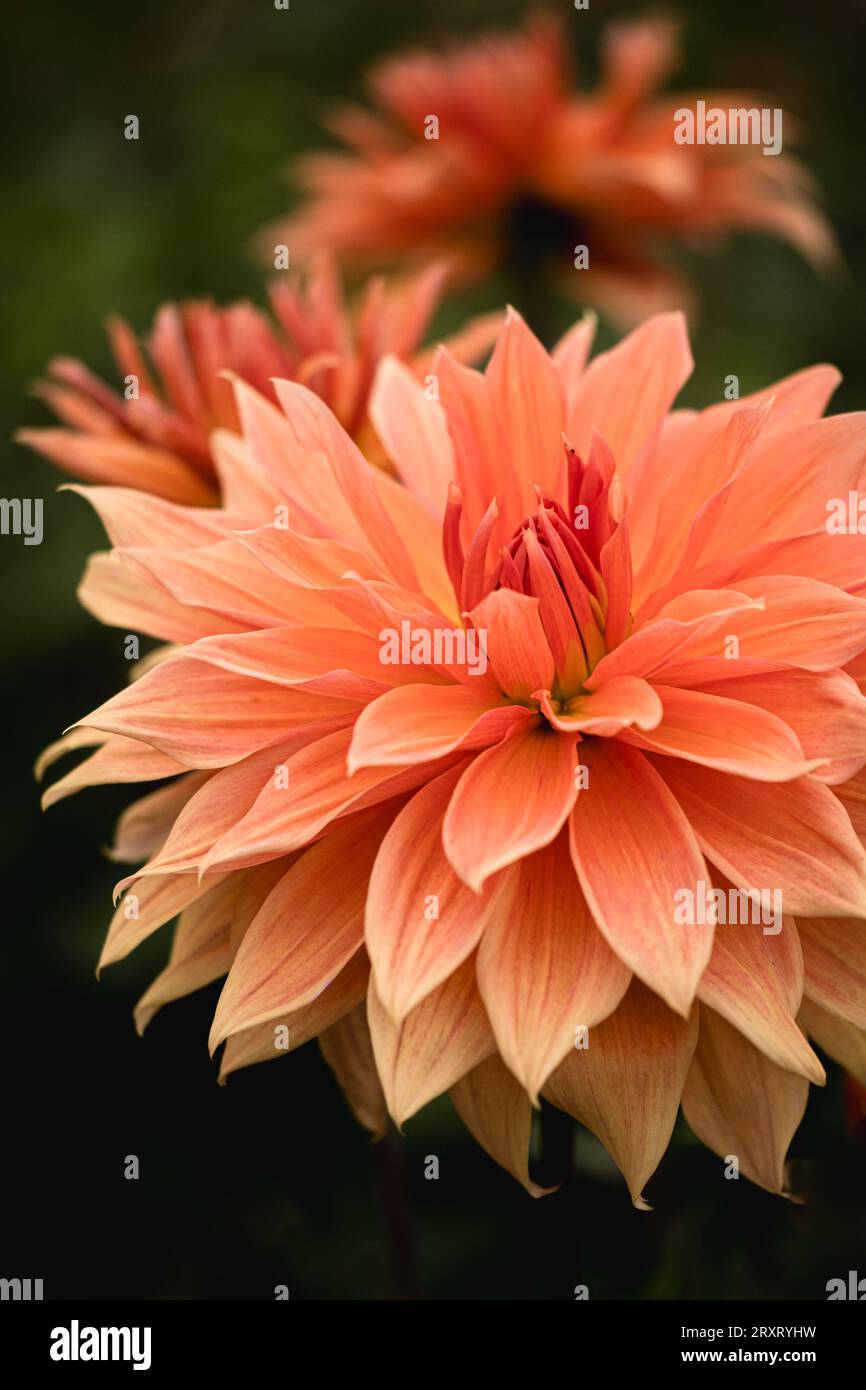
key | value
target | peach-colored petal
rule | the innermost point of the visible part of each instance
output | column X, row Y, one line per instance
column 134, row 518
column 121, row 595
column 324, row 661
column 517, row 648
column 282, row 1035
column 143, row 826
column 421, row 920
column 755, row 981
column 418, row 723
column 571, row 353
column 740, row 1104
column 204, row 717
column 656, row 362
column 225, row 578
column 724, row 734
column 529, row 405
column 122, row 462
column 494, row 1108
column 300, row 472
column 146, row 906
column 802, row 623
column 206, row 938
column 414, row 430
column 619, row 703
column 834, row 957
column 291, row 811
column 544, row 969
column 317, row 432
column 837, row 1037
column 796, row 838
column 118, row 759
column 512, row 800
column 633, row 849
column 826, row 711
column 692, row 621
column 626, row 1084
column 306, row 930
column 438, row 1043
column 347, row 1049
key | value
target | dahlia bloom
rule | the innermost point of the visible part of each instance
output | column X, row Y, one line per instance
column 171, row 430
column 462, row 875
column 522, row 168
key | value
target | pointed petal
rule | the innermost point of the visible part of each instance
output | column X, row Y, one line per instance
column 626, row 1084
column 837, row 1037
column 834, row 957
column 724, row 734
column 421, row 722
column 291, row 1030
column 740, row 1104
column 755, row 981
column 529, row 404
column 494, row 1108
column 512, row 800
column 656, row 361
column 117, row 760
column 308, row 927
column 421, row 921
column 630, row 842
column 204, row 717
column 441, row 1040
column 206, row 937
column 348, row 1051
column 518, row 651
column 544, row 969
column 315, row 790
column 796, row 838
column 414, row 432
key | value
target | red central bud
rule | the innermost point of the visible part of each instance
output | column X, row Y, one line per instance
column 572, row 555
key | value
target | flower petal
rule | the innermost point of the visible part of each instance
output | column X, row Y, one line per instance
column 421, row 921
column 740, row 1104
column 494, row 1108
column 544, row 969
column 724, row 734
column 421, row 722
column 512, row 800
column 796, row 838
column 837, row 1037
column 755, row 981
column 291, row 1030
column 348, row 1051
column 656, row 362
column 633, row 849
column 834, row 957
column 626, row 1084
column 441, row 1040
column 306, row 930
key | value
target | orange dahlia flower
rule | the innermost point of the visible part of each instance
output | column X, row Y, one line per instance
column 444, row 752
column 519, row 169
column 166, row 434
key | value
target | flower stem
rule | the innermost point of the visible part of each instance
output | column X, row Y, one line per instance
column 400, row 1245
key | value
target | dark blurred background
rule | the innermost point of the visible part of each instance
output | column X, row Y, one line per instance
column 269, row 1181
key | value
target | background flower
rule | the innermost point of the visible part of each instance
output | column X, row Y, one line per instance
column 521, row 169
column 158, row 434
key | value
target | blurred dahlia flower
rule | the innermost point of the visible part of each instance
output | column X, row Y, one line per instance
column 457, row 873
column 166, row 432
column 521, row 169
